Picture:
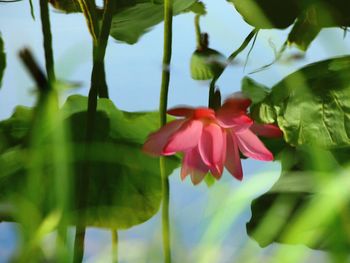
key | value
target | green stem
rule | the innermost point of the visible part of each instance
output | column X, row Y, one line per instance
column 98, row 80
column 114, row 246
column 211, row 100
column 168, row 16
column 100, row 49
column 46, row 28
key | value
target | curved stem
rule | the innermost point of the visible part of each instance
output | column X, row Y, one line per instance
column 168, row 16
column 198, row 31
column 46, row 28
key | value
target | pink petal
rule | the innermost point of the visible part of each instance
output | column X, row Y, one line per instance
column 156, row 141
column 237, row 121
column 184, row 138
column 266, row 130
column 233, row 160
column 237, row 103
column 193, row 164
column 251, row 146
column 181, row 111
column 211, row 144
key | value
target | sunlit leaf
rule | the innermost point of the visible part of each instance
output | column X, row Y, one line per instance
column 312, row 105
column 124, row 186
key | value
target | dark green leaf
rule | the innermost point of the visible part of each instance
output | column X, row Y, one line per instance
column 267, row 13
column 304, row 31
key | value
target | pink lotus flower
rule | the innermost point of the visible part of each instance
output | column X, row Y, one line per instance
column 212, row 140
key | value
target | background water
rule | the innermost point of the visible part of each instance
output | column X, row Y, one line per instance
column 133, row 75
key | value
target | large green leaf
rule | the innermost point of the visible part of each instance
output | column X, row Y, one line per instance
column 312, row 105
column 285, row 214
column 124, row 186
column 267, row 13
column 131, row 23
column 2, row 59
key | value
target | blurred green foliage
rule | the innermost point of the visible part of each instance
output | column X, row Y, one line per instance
column 124, row 183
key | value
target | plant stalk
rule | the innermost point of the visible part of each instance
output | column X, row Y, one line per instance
column 98, row 87
column 163, row 103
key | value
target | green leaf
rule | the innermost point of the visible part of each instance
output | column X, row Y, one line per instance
column 129, row 24
column 254, row 90
column 312, row 105
column 2, row 59
column 207, row 64
column 198, row 8
column 308, row 17
column 267, row 13
column 124, row 183
column 305, row 30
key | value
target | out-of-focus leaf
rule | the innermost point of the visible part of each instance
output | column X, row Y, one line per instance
column 274, row 213
column 281, row 14
column 132, row 22
column 2, row 59
column 309, row 17
column 267, row 13
column 14, row 130
column 207, row 64
column 312, row 105
column 124, row 183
